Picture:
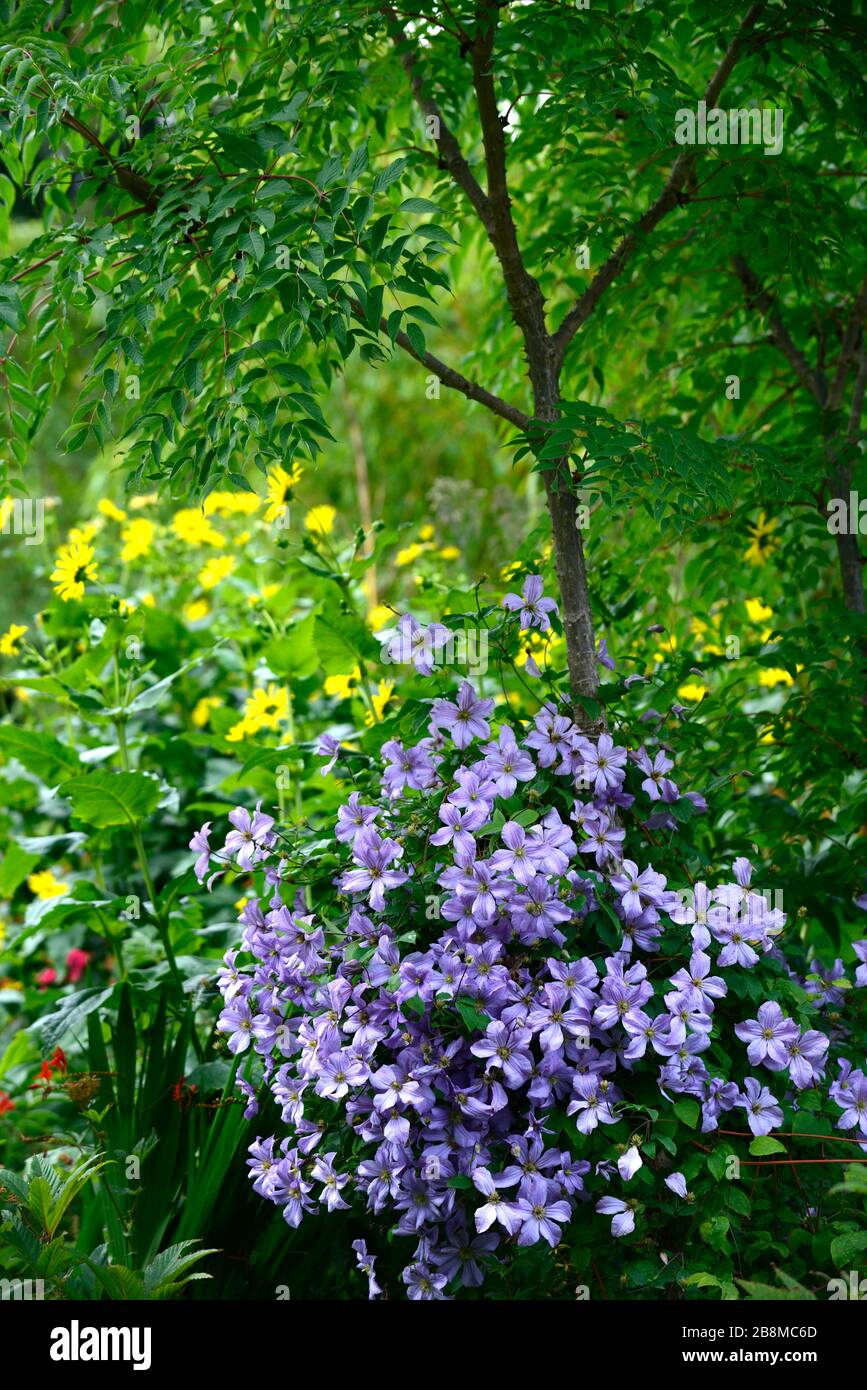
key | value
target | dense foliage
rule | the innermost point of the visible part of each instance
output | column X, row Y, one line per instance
column 521, row 831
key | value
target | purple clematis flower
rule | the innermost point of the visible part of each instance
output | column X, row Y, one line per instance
column 623, row 1215
column 406, row 767
column 518, row 857
column 374, row 876
column 416, row 644
column 252, row 836
column 496, row 1208
column 697, row 983
column 629, row 1163
column 532, row 605
column 506, row 1047
column 237, row 1021
column 540, row 1215
column 507, row 764
column 353, row 817
column 676, row 1182
column 366, row 1265
column 657, row 784
column 199, row 843
column 767, row 1036
column 763, row 1112
column 806, row 1058
column 605, row 765
column 465, row 719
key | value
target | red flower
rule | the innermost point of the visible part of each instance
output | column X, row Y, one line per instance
column 47, row 977
column 44, row 1075
column 76, row 964
column 5, row 1103
column 182, row 1094
column 56, row 1062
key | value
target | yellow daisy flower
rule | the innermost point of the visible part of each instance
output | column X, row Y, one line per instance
column 196, row 610
column 217, row 569
column 343, row 686
column 773, row 676
column 280, row 485
column 693, row 691
column 241, row 730
column 426, row 533
column 380, row 617
column 320, row 520
column 409, row 554
column 107, row 508
column 450, row 552
column 192, row 526
column 145, row 499
column 758, row 612
column 202, row 710
column 9, row 641
column 82, row 535
column 45, row 885
column 148, row 600
column 138, row 538
column 381, row 697
column 231, row 503
column 74, row 564
column 268, row 706
column 762, row 540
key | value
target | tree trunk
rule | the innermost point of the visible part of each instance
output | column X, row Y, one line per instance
column 576, row 613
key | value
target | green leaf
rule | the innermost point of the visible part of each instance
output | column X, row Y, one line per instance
column 112, row 798
column 473, row 1018
column 846, row 1248
column 70, row 1016
column 38, row 752
column 16, row 866
column 764, row 1144
column 687, row 1111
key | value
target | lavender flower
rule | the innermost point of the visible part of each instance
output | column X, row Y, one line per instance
column 531, row 604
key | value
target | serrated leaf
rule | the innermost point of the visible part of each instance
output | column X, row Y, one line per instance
column 112, row 798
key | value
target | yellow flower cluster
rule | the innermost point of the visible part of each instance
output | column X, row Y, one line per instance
column 264, row 709
column 45, row 885
column 217, row 569
column 138, row 538
column 192, row 526
column 231, row 503
column 10, row 639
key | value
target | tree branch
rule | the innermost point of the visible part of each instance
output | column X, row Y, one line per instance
column 669, row 198
column 449, row 377
column 760, row 298
column 450, row 155
column 132, row 183
column 525, row 296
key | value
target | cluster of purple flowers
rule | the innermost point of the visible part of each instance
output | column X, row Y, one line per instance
column 437, row 1041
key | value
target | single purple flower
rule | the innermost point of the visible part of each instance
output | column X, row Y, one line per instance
column 531, row 604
